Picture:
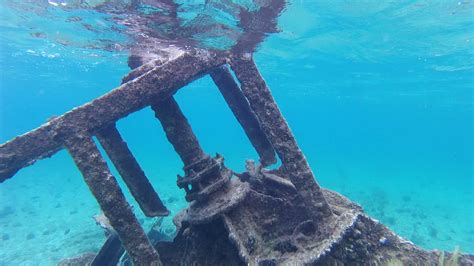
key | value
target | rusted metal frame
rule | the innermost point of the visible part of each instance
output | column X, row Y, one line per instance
column 245, row 116
column 131, row 172
column 106, row 190
column 279, row 134
column 159, row 82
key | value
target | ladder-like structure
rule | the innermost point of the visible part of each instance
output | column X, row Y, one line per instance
column 153, row 85
column 260, row 217
column 270, row 216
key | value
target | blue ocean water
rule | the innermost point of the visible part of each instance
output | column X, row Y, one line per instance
column 379, row 95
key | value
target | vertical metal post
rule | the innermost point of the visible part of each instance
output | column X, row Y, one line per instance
column 178, row 131
column 279, row 134
column 241, row 109
column 131, row 172
column 105, row 189
column 203, row 175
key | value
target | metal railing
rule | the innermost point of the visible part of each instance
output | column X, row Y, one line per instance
column 154, row 85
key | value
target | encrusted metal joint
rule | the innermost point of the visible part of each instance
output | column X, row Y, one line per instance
column 204, row 178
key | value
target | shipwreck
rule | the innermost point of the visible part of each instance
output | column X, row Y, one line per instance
column 264, row 216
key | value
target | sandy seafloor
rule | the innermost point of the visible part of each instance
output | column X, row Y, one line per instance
column 384, row 120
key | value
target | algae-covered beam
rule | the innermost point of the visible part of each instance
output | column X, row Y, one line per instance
column 131, row 172
column 279, row 134
column 241, row 109
column 160, row 81
column 203, row 175
column 106, row 190
column 178, row 131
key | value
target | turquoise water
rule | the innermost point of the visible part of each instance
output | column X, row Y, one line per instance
column 378, row 95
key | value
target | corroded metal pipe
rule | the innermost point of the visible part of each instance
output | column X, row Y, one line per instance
column 241, row 109
column 131, row 172
column 178, row 131
column 203, row 175
column 279, row 134
column 107, row 192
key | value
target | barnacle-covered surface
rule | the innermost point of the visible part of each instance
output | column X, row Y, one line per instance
column 360, row 240
column 258, row 217
column 270, row 217
column 129, row 97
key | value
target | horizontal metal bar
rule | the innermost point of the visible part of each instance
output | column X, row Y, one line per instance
column 160, row 82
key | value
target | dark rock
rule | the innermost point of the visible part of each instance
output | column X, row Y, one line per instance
column 433, row 232
column 6, row 211
column 30, row 236
column 83, row 259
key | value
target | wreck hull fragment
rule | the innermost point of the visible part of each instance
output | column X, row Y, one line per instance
column 360, row 240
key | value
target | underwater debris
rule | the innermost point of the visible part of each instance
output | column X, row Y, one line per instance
column 82, row 259
column 30, row 236
column 5, row 237
column 102, row 221
column 260, row 217
column 6, row 211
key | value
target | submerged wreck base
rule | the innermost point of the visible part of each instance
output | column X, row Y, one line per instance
column 234, row 240
column 266, row 229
